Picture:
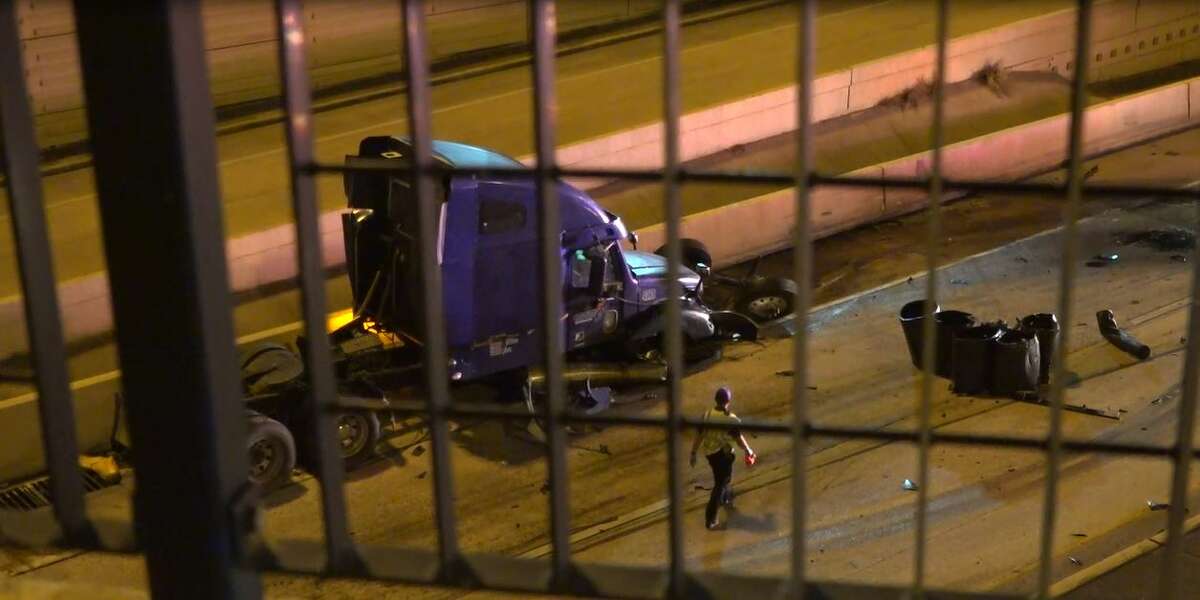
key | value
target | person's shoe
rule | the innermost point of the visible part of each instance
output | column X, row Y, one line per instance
column 711, row 525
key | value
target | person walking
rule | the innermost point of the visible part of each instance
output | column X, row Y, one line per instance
column 717, row 444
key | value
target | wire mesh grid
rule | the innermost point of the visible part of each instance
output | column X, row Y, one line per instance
column 338, row 555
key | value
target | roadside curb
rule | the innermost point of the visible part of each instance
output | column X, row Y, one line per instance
column 1117, row 560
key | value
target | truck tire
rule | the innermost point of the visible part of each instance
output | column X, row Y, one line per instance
column 271, row 451
column 767, row 299
column 357, row 436
column 693, row 252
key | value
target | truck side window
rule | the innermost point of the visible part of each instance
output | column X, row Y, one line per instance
column 581, row 270
column 498, row 216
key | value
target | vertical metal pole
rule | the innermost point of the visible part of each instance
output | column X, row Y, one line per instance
column 420, row 122
column 1182, row 453
column 545, row 105
column 806, row 47
column 40, row 296
column 160, row 206
column 1067, row 276
column 674, row 329
column 933, row 245
column 297, row 100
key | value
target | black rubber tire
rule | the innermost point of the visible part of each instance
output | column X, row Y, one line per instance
column 767, row 299
column 366, row 433
column 271, row 451
column 693, row 252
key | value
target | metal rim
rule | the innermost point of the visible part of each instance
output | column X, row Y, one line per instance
column 352, row 433
column 266, row 457
column 768, row 307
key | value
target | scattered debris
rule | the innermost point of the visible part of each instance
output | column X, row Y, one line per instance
column 1158, row 400
column 992, row 76
column 786, row 373
column 959, row 282
column 700, row 487
column 104, row 466
column 650, row 396
column 1075, row 561
column 910, row 97
column 1120, row 338
column 1091, row 172
column 1171, row 153
column 603, row 449
column 1022, row 259
column 545, row 489
column 1162, row 240
column 909, row 485
column 418, row 450
column 1158, row 505
column 1079, row 534
column 422, row 475
column 1179, row 258
column 1103, row 260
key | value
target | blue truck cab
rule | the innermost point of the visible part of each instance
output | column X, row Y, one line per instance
column 488, row 249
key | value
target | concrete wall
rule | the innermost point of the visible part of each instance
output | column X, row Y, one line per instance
column 349, row 40
column 764, row 224
column 1129, row 36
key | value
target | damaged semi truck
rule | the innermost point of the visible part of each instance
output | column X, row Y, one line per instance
column 613, row 299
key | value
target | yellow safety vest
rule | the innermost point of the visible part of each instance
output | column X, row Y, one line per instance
column 714, row 439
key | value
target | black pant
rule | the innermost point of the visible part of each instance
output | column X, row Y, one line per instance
column 722, row 470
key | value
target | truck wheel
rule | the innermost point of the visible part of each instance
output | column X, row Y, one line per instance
column 694, row 252
column 767, row 299
column 357, row 436
column 271, row 451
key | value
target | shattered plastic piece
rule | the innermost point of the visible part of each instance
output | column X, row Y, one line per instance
column 1045, row 327
column 1119, row 337
column 973, row 349
column 1179, row 258
column 948, row 325
column 418, row 450
column 104, row 466
column 909, row 485
column 1158, row 505
column 912, row 321
column 1016, row 365
column 1075, row 561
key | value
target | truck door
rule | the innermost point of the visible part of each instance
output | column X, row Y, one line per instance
column 593, row 296
column 507, row 295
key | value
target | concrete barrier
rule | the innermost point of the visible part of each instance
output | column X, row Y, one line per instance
column 1130, row 37
column 764, row 224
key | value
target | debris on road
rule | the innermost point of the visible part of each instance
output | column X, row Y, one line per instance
column 1158, row 400
column 1163, row 240
column 103, row 466
column 1075, row 561
column 1120, row 338
column 1079, row 535
column 418, row 450
column 909, row 485
column 422, row 475
column 1158, row 505
column 1179, row 258
column 1103, row 260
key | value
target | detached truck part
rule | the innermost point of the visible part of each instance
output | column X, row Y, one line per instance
column 488, row 248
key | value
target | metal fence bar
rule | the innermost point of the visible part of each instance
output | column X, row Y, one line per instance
column 1183, row 453
column 802, row 272
column 815, row 179
column 156, row 180
column 674, row 327
column 420, row 123
column 1070, row 242
column 39, row 294
column 545, row 105
column 933, row 245
column 298, row 125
